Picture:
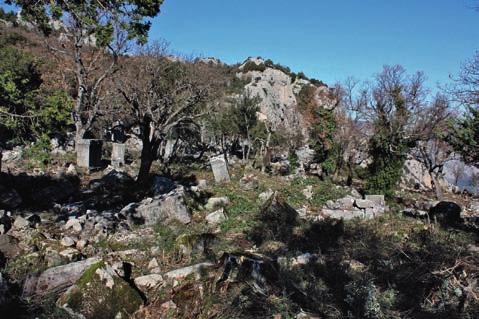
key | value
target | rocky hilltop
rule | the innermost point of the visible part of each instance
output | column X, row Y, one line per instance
column 278, row 89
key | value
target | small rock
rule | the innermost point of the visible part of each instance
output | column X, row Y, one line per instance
column 153, row 264
column 217, row 202
column 308, row 192
column 74, row 224
column 81, row 244
column 67, row 242
column 71, row 170
column 71, row 254
column 249, row 182
column 20, row 223
column 263, row 197
column 216, row 217
column 53, row 258
column 119, row 268
column 148, row 281
column 197, row 270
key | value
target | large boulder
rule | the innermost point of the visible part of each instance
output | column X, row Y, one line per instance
column 100, row 293
column 57, row 277
column 164, row 209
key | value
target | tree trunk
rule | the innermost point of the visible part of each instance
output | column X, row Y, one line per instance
column 436, row 186
column 349, row 181
column 79, row 132
column 145, row 163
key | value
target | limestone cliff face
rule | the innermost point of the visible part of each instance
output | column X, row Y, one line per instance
column 278, row 92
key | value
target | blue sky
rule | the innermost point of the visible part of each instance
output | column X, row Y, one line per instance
column 328, row 40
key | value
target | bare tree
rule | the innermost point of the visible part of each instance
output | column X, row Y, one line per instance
column 162, row 96
column 465, row 88
column 432, row 150
column 350, row 137
column 396, row 114
column 94, row 34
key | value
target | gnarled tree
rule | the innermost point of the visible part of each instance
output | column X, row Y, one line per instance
column 162, row 97
column 397, row 109
column 94, row 34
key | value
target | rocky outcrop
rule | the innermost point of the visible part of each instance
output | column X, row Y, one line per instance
column 278, row 90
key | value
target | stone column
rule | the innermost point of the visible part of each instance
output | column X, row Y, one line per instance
column 220, row 169
column 89, row 153
column 118, row 155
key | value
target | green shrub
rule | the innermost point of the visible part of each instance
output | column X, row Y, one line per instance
column 39, row 153
column 252, row 66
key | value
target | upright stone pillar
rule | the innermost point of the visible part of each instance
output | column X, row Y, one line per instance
column 89, row 153
column 220, row 169
column 118, row 155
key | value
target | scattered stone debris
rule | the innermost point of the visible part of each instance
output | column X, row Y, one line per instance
column 349, row 207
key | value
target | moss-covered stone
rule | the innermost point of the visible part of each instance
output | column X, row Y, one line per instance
column 95, row 300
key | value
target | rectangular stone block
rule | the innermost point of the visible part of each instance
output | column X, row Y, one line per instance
column 118, row 155
column 376, row 199
column 89, row 153
column 220, row 169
